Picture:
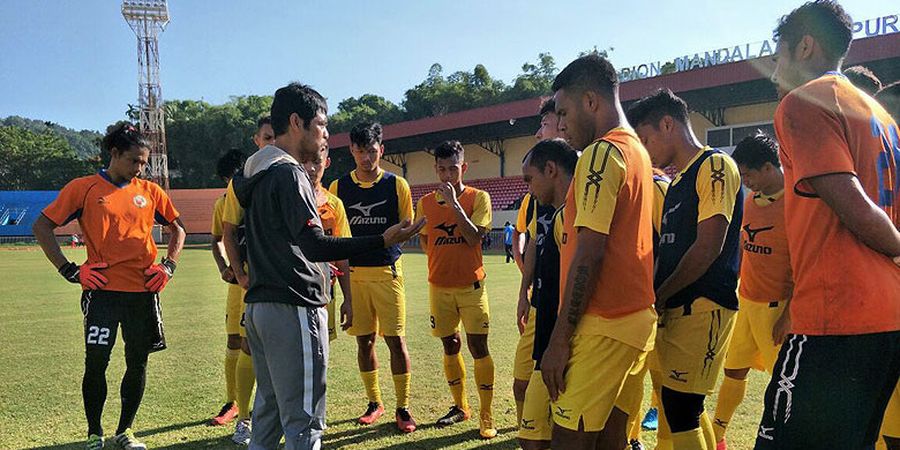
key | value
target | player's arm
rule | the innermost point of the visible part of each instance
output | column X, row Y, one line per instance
column 176, row 240
column 347, row 306
column 517, row 249
column 219, row 256
column 856, row 211
column 585, row 268
column 233, row 251
column 717, row 196
column 524, row 306
column 43, row 231
column 423, row 236
column 518, row 237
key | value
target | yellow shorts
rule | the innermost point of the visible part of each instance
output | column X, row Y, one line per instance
column 234, row 310
column 632, row 395
column 450, row 305
column 523, row 364
column 890, row 426
column 378, row 306
column 537, row 418
column 691, row 348
column 752, row 344
column 597, row 369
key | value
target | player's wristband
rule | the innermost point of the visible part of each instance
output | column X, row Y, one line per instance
column 169, row 265
column 70, row 272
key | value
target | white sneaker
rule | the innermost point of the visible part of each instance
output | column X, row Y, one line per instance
column 127, row 441
column 242, row 432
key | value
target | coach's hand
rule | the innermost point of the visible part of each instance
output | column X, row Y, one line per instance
column 553, row 367
column 346, row 315
column 87, row 275
column 401, row 232
column 522, row 310
column 160, row 274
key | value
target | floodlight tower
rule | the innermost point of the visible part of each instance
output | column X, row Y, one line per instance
column 148, row 18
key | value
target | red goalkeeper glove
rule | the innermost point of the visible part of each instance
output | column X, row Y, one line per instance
column 160, row 274
column 87, row 275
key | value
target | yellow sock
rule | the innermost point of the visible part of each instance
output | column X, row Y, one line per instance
column 709, row 435
column 455, row 372
column 370, row 382
column 401, row 388
column 231, row 358
column 689, row 440
column 243, row 384
column 484, row 378
column 731, row 393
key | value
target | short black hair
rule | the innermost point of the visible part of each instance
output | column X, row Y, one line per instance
column 756, row 150
column 365, row 134
column 264, row 120
column 123, row 136
column 864, row 79
column 299, row 99
column 590, row 72
column 557, row 150
column 230, row 163
column 652, row 108
column 824, row 20
column 449, row 149
column 548, row 106
column 889, row 97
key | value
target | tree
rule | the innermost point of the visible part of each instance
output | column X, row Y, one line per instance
column 367, row 108
column 86, row 143
column 38, row 161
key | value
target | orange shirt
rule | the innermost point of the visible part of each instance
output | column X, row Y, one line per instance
column 332, row 214
column 843, row 287
column 452, row 262
column 612, row 193
column 765, row 264
column 117, row 222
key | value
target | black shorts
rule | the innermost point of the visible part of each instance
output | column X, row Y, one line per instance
column 138, row 313
column 829, row 392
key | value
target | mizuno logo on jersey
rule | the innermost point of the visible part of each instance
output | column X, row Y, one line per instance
column 366, row 217
column 751, row 235
column 449, row 239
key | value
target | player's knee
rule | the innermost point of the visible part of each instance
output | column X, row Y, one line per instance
column 737, row 374
column 478, row 345
column 682, row 409
column 136, row 359
column 452, row 344
column 519, row 388
column 366, row 343
column 234, row 341
column 396, row 344
column 96, row 361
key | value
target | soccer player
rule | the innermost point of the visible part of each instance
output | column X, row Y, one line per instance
column 889, row 97
column 458, row 216
column 121, row 279
column 534, row 219
column 763, row 319
column 548, row 169
column 864, row 79
column 606, row 323
column 236, row 249
column 375, row 200
column 228, row 165
column 285, row 316
column 508, row 232
column 334, row 223
column 696, row 264
column 839, row 149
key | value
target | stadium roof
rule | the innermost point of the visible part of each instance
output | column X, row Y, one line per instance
column 706, row 90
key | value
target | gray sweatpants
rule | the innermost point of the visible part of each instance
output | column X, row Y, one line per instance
column 289, row 345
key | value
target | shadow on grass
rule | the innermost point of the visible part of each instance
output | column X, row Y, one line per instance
column 208, row 443
column 505, row 440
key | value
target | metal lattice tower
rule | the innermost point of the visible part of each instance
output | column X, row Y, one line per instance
column 148, row 18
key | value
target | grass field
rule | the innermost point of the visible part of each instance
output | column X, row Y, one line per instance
column 41, row 361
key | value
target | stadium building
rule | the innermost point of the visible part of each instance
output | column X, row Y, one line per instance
column 728, row 90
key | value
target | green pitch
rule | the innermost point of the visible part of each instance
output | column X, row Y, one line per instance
column 42, row 356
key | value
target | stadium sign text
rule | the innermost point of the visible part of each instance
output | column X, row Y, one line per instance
column 867, row 28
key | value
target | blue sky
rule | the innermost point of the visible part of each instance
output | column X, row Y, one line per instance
column 74, row 61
